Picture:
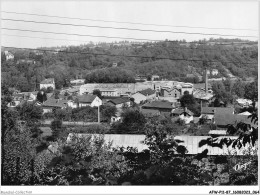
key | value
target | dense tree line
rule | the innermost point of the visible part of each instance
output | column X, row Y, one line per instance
column 26, row 75
column 110, row 75
column 227, row 91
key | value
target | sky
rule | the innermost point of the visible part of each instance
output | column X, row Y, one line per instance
column 207, row 14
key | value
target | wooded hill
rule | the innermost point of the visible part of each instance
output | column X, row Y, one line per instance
column 29, row 67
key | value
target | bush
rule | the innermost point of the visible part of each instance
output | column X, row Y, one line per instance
column 49, row 90
column 48, row 115
column 133, row 121
column 107, row 112
column 180, row 121
column 95, row 128
column 87, row 114
column 56, row 127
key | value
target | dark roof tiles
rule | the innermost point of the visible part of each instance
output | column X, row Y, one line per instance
column 179, row 111
column 55, row 103
column 86, row 98
column 213, row 110
column 147, row 92
column 119, row 101
column 158, row 104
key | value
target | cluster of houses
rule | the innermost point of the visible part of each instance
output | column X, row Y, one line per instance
column 223, row 116
column 153, row 98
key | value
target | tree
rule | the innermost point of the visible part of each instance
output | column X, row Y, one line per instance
column 41, row 96
column 217, row 103
column 49, row 89
column 31, row 114
column 247, row 175
column 164, row 163
column 87, row 114
column 251, row 91
column 228, row 85
column 8, row 127
column 107, row 112
column 66, row 94
column 247, row 136
column 110, row 75
column 218, row 89
column 133, row 121
column 56, row 127
column 3, row 57
column 86, row 161
column 17, row 147
column 90, row 129
column 187, row 99
column 238, row 89
column 73, row 63
column 61, row 114
column 97, row 92
column 221, row 93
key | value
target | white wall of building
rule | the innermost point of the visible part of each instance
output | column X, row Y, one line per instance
column 47, row 85
column 109, row 93
column 138, row 97
column 46, row 110
column 187, row 119
column 72, row 104
column 96, row 102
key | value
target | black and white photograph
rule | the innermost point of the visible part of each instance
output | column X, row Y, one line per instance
column 126, row 97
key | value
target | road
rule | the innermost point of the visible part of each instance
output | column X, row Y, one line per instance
column 79, row 123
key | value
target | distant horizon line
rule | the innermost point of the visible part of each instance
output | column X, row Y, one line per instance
column 228, row 40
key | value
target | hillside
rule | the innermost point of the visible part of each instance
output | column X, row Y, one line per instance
column 65, row 63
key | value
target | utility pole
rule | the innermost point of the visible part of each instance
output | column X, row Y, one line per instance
column 99, row 114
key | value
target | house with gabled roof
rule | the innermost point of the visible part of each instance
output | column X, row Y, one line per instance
column 119, row 102
column 47, row 83
column 88, row 100
column 174, row 92
column 30, row 96
column 184, row 114
column 51, row 104
column 225, row 119
column 16, row 100
column 143, row 95
column 209, row 112
column 203, row 97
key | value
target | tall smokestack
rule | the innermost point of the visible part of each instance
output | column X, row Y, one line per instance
column 206, row 81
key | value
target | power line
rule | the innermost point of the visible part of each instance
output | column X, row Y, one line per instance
column 85, row 35
column 44, row 38
column 138, row 23
column 124, row 38
column 118, row 55
column 179, row 47
column 123, row 28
